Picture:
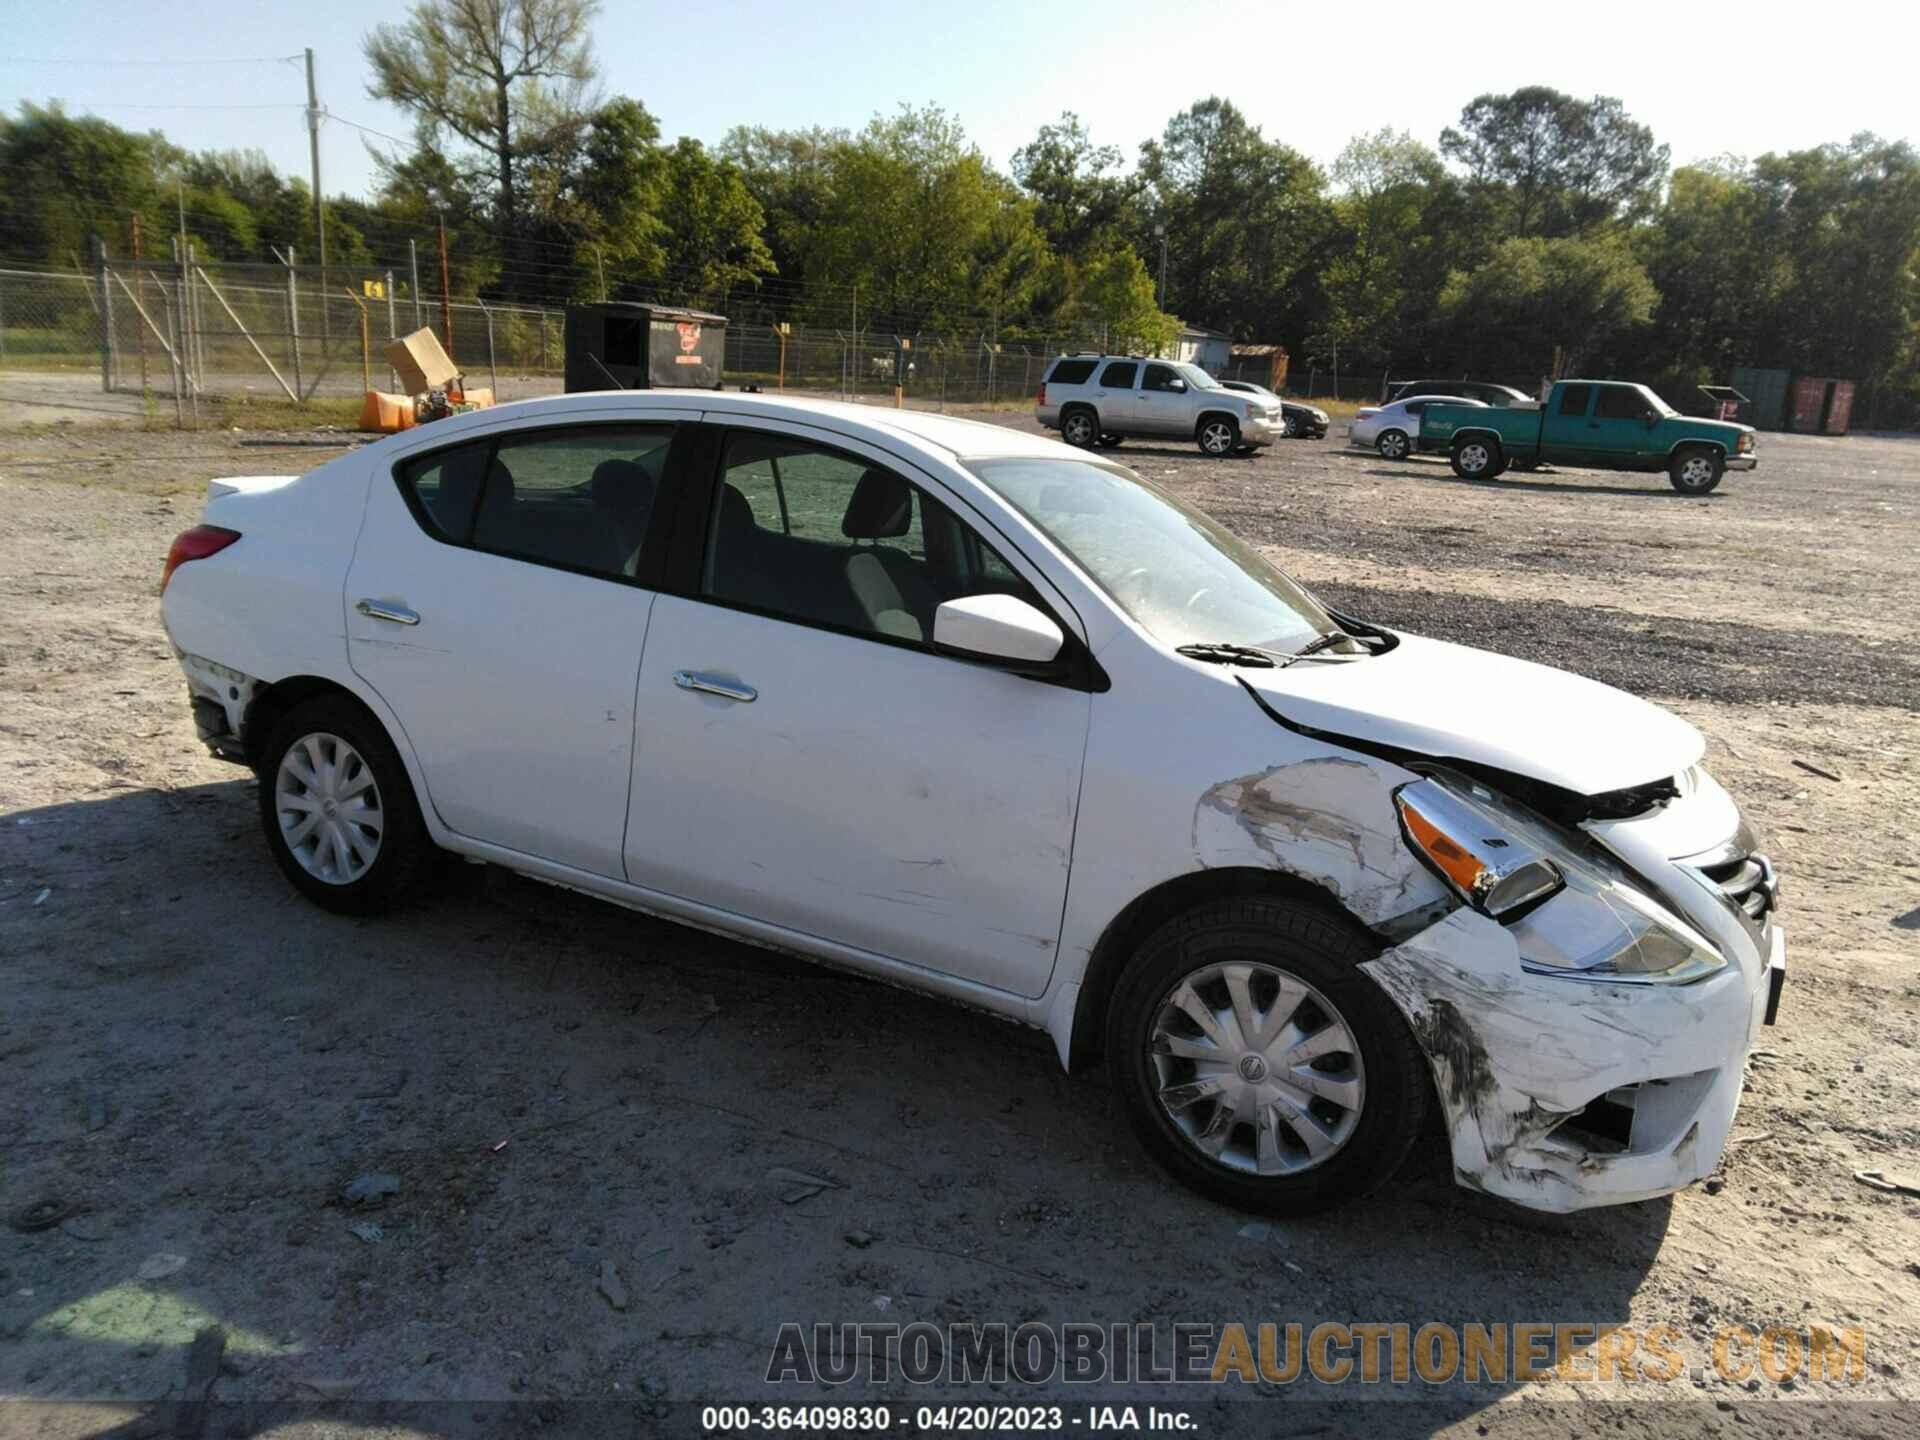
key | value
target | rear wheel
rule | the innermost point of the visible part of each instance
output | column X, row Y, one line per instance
column 1080, row 427
column 338, row 811
column 1478, row 459
column 1259, row 1064
column 1696, row 471
column 1218, row 435
column 1289, row 427
column 1393, row 444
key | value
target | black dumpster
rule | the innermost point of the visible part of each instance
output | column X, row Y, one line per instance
column 622, row 346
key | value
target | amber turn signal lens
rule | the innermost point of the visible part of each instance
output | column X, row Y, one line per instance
column 1466, row 872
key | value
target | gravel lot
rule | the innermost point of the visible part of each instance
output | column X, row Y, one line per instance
column 195, row 1062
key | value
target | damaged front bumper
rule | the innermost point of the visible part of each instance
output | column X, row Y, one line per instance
column 1563, row 1094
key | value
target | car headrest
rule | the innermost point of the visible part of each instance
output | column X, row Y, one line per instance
column 881, row 507
column 736, row 515
column 467, row 483
column 621, row 487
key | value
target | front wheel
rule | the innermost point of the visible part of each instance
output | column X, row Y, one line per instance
column 1478, row 459
column 1393, row 445
column 1111, row 440
column 1218, row 435
column 1696, row 471
column 1259, row 1064
column 338, row 810
column 1289, row 427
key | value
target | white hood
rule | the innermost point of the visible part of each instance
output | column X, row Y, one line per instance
column 1453, row 702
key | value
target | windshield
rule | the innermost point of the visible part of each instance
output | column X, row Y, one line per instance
column 1197, row 378
column 1185, row 579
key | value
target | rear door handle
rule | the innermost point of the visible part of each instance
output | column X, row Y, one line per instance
column 381, row 610
column 713, row 685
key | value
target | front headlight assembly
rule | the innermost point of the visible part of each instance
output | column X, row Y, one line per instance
column 1572, row 914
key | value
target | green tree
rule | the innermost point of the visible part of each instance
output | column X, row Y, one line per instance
column 1540, row 300
column 508, row 78
column 1080, row 197
column 1385, row 180
column 790, row 172
column 1557, row 165
column 1244, row 216
column 710, row 223
column 45, row 215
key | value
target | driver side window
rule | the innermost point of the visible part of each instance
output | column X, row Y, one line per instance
column 1159, row 377
column 821, row 537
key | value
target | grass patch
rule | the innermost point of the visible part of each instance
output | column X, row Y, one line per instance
column 250, row 412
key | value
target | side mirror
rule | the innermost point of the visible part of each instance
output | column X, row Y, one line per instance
column 1177, row 386
column 997, row 627
column 1652, row 417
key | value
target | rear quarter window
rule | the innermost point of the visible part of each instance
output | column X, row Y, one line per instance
column 1071, row 372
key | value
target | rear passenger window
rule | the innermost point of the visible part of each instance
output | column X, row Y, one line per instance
column 1573, row 400
column 1071, row 372
column 1119, row 375
column 579, row 498
column 826, row 538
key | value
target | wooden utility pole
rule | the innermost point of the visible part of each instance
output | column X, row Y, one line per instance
column 319, row 206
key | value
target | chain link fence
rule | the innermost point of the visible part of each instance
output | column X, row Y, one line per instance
column 180, row 331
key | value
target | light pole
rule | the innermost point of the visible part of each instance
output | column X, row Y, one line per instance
column 1160, row 290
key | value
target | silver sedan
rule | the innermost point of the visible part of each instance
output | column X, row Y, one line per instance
column 1394, row 430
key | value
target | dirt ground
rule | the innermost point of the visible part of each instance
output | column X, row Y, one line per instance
column 194, row 1062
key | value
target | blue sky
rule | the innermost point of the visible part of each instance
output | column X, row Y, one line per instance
column 1710, row 79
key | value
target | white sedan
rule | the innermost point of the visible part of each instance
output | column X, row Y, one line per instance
column 1394, row 430
column 990, row 718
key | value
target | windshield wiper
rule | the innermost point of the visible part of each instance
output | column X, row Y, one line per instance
column 1213, row 654
column 1314, row 647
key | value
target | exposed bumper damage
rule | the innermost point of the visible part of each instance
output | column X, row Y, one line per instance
column 219, row 695
column 1561, row 1094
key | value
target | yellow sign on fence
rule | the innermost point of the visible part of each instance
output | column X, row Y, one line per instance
column 374, row 289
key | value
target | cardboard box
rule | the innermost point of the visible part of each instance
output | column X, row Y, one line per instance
column 420, row 362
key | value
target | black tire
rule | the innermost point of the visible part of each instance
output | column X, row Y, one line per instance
column 1109, row 440
column 404, row 855
column 1696, row 469
column 1217, row 435
column 1325, row 952
column 1478, row 459
column 1393, row 445
column 1080, row 427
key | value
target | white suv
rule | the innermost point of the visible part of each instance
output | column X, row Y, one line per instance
column 1099, row 400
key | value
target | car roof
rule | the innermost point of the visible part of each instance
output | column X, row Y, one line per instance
column 958, row 437
column 1449, row 399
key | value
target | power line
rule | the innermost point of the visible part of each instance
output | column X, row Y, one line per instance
column 94, row 60
column 124, row 105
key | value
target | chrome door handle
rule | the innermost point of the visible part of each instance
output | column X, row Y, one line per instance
column 380, row 610
column 708, row 685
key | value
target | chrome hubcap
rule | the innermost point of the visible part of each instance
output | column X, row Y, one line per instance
column 329, row 808
column 1696, row 471
column 1256, row 1068
column 1473, row 457
column 1079, row 429
column 1217, row 437
column 1394, row 445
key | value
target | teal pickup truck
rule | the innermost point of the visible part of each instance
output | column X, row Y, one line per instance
column 1601, row 424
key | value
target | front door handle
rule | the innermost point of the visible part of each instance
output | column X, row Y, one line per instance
column 382, row 610
column 712, row 685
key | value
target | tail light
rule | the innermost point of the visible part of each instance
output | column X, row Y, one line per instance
column 1041, row 398
column 195, row 544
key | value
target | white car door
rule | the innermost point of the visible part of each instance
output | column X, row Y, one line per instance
column 805, row 757
column 495, row 603
column 1159, row 406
